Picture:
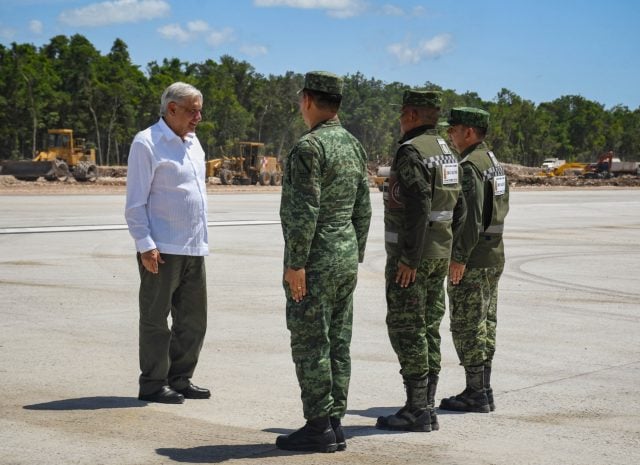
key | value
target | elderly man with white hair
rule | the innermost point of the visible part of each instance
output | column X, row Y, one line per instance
column 166, row 211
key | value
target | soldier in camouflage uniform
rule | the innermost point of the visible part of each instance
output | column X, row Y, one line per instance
column 325, row 213
column 422, row 200
column 477, row 259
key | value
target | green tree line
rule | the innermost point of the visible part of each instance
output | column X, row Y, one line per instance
column 107, row 99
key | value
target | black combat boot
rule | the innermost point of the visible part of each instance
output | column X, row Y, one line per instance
column 473, row 398
column 431, row 400
column 316, row 436
column 415, row 415
column 337, row 429
column 487, row 387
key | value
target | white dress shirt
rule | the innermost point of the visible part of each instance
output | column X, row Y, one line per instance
column 166, row 207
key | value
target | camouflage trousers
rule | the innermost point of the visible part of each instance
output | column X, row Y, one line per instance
column 414, row 314
column 320, row 326
column 474, row 315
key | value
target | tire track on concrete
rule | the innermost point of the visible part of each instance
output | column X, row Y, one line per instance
column 516, row 271
column 578, row 375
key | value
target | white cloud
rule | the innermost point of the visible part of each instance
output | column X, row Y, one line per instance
column 254, row 50
column 419, row 11
column 217, row 38
column 431, row 48
column 336, row 8
column 196, row 30
column 114, row 12
column 436, row 46
column 174, row 32
column 392, row 10
column 197, row 26
column 395, row 10
column 35, row 26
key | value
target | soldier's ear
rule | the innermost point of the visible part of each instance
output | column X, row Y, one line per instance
column 307, row 101
column 469, row 132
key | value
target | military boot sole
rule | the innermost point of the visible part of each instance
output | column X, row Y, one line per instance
column 325, row 448
column 435, row 426
column 458, row 405
column 383, row 424
column 492, row 405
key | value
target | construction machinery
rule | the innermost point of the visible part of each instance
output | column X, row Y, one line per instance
column 65, row 156
column 609, row 166
column 564, row 169
column 247, row 164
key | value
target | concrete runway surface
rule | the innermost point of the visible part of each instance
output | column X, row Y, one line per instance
column 566, row 373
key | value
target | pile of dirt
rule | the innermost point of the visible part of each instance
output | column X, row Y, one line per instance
column 103, row 185
column 113, row 179
column 524, row 176
column 112, row 171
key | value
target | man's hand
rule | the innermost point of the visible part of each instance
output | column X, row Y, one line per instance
column 297, row 281
column 151, row 259
column 456, row 272
column 405, row 275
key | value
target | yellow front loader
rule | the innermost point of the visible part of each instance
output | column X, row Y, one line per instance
column 64, row 157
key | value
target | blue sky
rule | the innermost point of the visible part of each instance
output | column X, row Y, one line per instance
column 539, row 49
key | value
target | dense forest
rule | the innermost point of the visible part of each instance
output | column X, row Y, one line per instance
column 107, row 99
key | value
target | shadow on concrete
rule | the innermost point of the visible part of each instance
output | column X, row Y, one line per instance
column 350, row 431
column 374, row 412
column 223, row 452
column 88, row 403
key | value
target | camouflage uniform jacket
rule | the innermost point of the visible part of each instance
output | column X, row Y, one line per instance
column 479, row 244
column 419, row 199
column 325, row 209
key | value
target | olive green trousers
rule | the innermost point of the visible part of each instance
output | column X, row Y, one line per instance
column 168, row 355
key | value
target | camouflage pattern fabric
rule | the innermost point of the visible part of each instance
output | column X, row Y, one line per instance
column 325, row 208
column 414, row 191
column 493, row 276
column 473, row 311
column 320, row 326
column 414, row 314
column 435, row 313
column 323, row 81
column 468, row 116
column 325, row 213
column 422, row 98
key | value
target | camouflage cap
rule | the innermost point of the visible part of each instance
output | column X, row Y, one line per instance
column 323, row 81
column 469, row 116
column 421, row 98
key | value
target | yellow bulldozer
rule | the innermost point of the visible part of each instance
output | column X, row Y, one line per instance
column 65, row 156
column 246, row 165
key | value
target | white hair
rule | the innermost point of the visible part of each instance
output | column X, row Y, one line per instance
column 177, row 92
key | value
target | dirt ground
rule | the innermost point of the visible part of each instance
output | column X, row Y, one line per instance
column 112, row 180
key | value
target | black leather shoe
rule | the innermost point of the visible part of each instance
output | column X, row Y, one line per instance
column 194, row 392
column 165, row 395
